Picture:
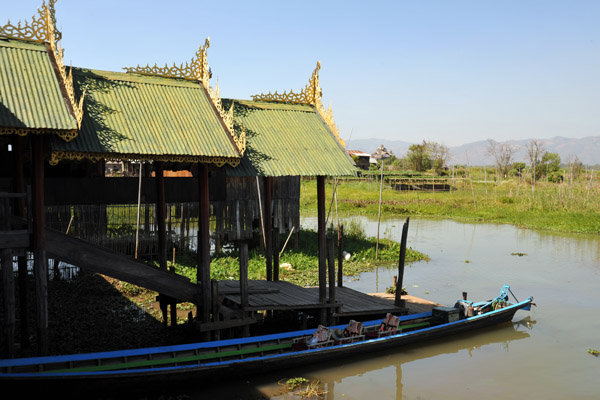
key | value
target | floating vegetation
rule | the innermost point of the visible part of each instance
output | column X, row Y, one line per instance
column 467, row 261
column 303, row 388
column 518, row 254
column 594, row 352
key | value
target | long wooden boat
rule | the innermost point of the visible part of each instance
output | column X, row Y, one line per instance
column 236, row 357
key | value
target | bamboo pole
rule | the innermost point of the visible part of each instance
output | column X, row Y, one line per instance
column 379, row 215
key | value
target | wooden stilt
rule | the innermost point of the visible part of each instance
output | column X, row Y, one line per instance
column 340, row 255
column 322, row 245
column 39, row 243
column 276, row 254
column 22, row 259
column 244, row 282
column 331, row 266
column 162, row 235
column 203, row 276
column 8, row 283
column 268, row 218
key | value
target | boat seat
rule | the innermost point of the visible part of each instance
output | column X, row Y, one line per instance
column 320, row 338
column 389, row 326
column 354, row 332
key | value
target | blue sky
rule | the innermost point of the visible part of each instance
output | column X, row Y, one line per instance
column 449, row 71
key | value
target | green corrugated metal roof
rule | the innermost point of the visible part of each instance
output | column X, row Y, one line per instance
column 129, row 114
column 30, row 93
column 287, row 140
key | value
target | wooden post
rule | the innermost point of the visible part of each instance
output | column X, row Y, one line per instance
column 331, row 265
column 8, row 283
column 398, row 300
column 215, row 306
column 22, row 259
column 244, row 282
column 322, row 245
column 162, row 236
column 268, row 227
column 39, row 243
column 203, row 274
column 275, row 254
column 340, row 281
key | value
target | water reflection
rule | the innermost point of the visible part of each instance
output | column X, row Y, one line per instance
column 384, row 374
column 562, row 273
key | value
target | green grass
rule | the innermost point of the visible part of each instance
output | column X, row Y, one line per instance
column 555, row 207
column 303, row 260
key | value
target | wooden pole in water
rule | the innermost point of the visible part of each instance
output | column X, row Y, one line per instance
column 379, row 215
column 322, row 245
column 398, row 300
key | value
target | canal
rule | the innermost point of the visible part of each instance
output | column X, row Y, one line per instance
column 542, row 354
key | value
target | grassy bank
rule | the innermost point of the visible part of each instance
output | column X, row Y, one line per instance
column 558, row 207
column 300, row 264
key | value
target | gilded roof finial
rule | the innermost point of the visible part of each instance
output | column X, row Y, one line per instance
column 311, row 94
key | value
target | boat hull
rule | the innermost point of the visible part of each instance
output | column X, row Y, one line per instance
column 148, row 377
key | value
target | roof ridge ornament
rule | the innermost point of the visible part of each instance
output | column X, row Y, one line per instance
column 198, row 70
column 40, row 29
column 312, row 95
column 43, row 30
column 195, row 70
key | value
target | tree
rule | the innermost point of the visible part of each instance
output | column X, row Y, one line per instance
column 550, row 166
column 439, row 155
column 418, row 157
column 502, row 154
column 574, row 167
column 534, row 149
column 517, row 168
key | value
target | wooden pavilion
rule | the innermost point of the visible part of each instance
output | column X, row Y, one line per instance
column 70, row 124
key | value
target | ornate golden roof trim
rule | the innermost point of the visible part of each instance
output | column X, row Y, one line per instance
column 57, row 156
column 198, row 70
column 311, row 94
column 40, row 29
column 66, row 135
column 43, row 30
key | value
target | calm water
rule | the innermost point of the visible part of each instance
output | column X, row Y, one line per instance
column 541, row 355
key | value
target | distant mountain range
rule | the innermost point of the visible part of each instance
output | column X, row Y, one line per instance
column 587, row 149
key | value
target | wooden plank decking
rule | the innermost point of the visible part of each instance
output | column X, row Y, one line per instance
column 280, row 295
